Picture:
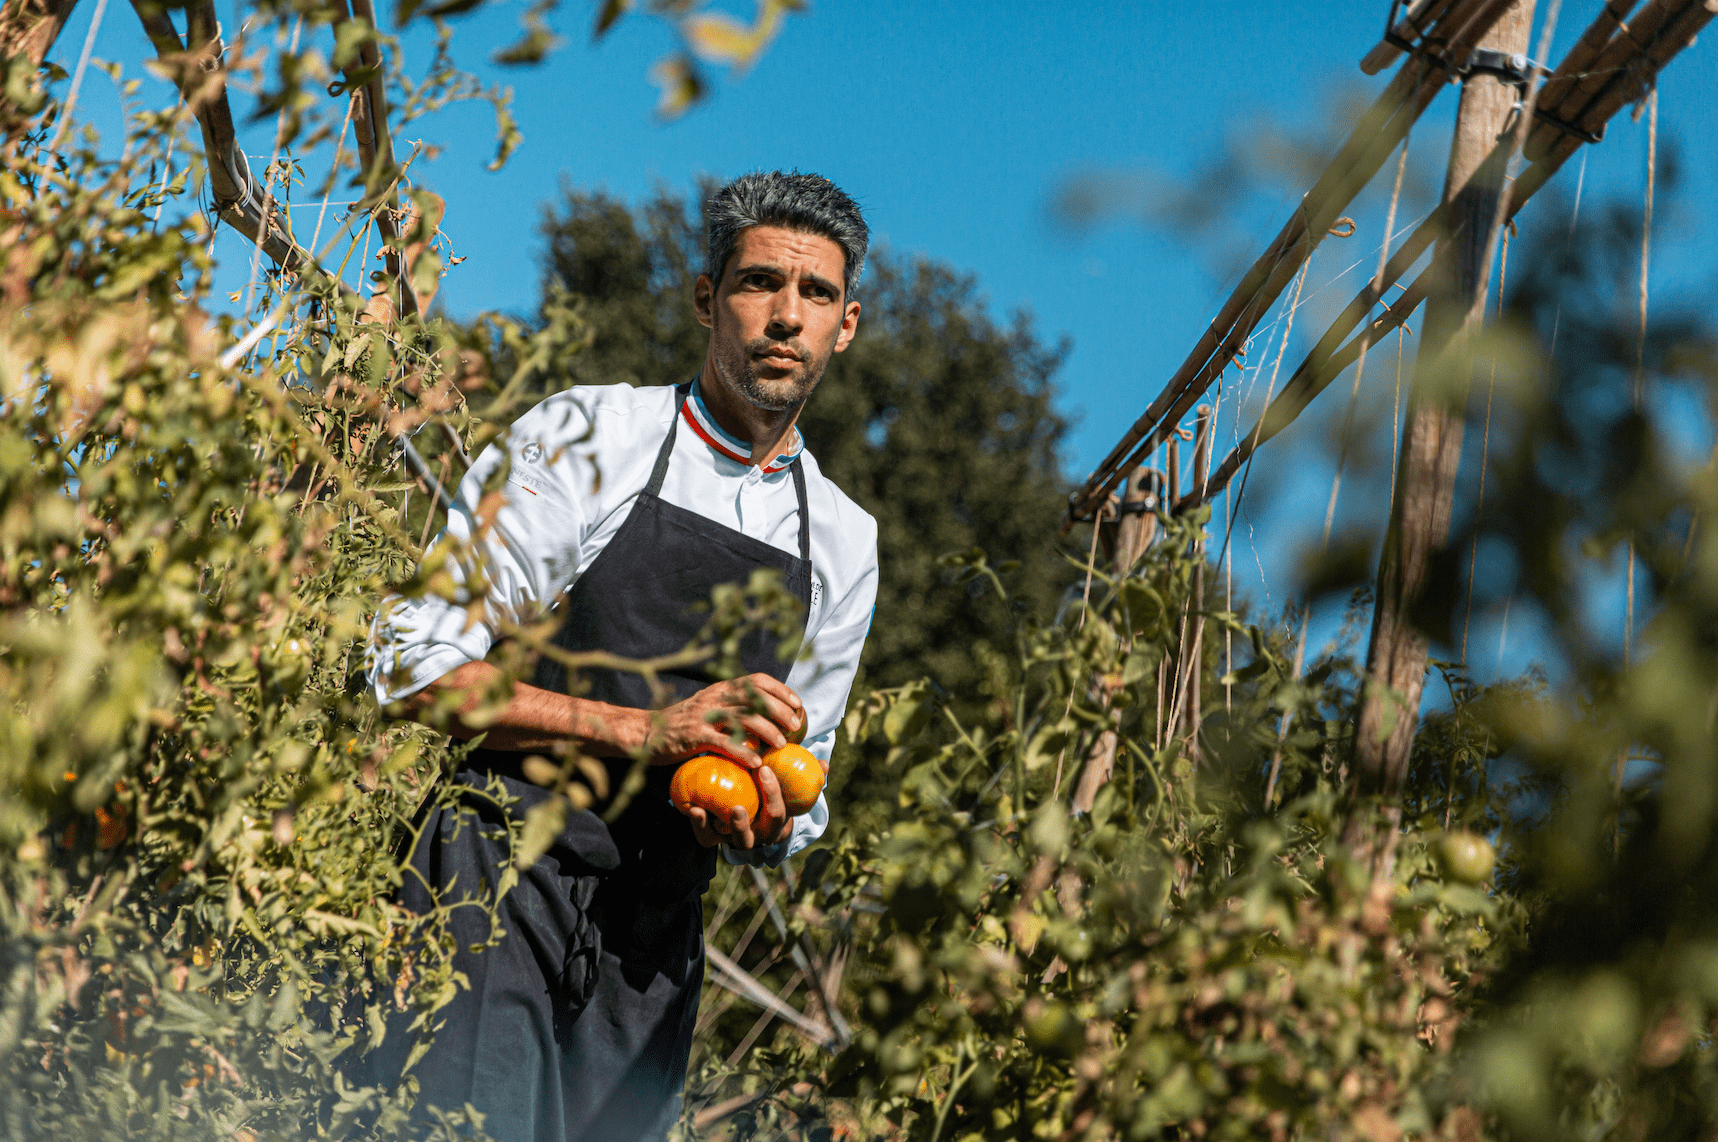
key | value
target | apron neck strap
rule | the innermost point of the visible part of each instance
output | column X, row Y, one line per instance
column 798, row 470
column 658, row 473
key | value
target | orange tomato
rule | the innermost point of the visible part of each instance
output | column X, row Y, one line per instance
column 800, row 775
column 714, row 784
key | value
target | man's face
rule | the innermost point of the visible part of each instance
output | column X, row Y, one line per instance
column 777, row 315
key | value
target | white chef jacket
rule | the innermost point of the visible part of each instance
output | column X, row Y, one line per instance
column 579, row 459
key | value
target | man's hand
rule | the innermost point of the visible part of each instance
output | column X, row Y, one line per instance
column 740, row 832
column 756, row 704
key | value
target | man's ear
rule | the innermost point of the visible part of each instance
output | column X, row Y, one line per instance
column 704, row 301
column 849, row 326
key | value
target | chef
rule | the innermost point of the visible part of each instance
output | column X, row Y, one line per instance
column 622, row 510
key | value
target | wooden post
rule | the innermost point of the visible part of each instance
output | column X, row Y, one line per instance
column 1133, row 532
column 1137, row 524
column 1432, row 434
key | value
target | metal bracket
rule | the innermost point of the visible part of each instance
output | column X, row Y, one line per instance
column 1511, row 67
column 1147, row 506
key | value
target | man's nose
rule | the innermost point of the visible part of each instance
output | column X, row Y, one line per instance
column 787, row 316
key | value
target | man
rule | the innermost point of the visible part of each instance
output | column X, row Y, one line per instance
column 623, row 510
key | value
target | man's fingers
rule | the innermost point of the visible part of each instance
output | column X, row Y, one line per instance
column 766, row 684
column 743, row 837
column 773, row 811
column 765, row 730
column 701, row 829
column 777, row 698
column 740, row 752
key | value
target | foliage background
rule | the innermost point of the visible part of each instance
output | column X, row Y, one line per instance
column 202, row 813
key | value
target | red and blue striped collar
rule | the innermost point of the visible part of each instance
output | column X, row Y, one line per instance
column 729, row 445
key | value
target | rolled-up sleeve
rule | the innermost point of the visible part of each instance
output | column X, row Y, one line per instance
column 508, row 554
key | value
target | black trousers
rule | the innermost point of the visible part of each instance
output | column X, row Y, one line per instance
column 576, row 1027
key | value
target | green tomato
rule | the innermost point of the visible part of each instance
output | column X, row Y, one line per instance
column 1467, row 857
column 1071, row 940
column 1054, row 1030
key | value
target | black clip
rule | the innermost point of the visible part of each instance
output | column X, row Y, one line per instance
column 1421, row 50
column 1390, row 36
column 1076, row 517
column 1569, row 128
column 1511, row 67
column 1139, row 507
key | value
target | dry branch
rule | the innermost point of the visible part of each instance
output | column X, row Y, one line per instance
column 29, row 28
column 737, row 979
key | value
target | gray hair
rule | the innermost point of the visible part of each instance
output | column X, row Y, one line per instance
column 808, row 203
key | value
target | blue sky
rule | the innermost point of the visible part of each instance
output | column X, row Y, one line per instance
column 954, row 125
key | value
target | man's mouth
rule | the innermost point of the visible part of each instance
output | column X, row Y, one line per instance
column 779, row 356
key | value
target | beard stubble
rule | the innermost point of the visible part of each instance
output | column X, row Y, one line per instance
column 771, row 394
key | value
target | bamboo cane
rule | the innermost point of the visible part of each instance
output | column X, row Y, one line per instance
column 201, row 79
column 375, row 144
column 1368, row 146
column 1420, row 15
column 1563, row 81
column 1322, row 365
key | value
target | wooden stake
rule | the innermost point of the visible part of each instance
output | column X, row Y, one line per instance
column 1196, row 603
column 376, row 146
column 1172, row 455
column 1133, row 534
column 1431, row 439
column 1138, row 524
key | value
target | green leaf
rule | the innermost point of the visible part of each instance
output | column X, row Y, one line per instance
column 1139, row 663
column 543, row 823
column 284, row 1011
column 1048, row 742
column 611, row 11
column 908, row 714
column 1257, row 668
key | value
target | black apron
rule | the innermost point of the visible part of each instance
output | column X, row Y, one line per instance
column 578, row 1026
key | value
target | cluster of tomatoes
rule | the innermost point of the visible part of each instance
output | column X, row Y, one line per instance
column 717, row 784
